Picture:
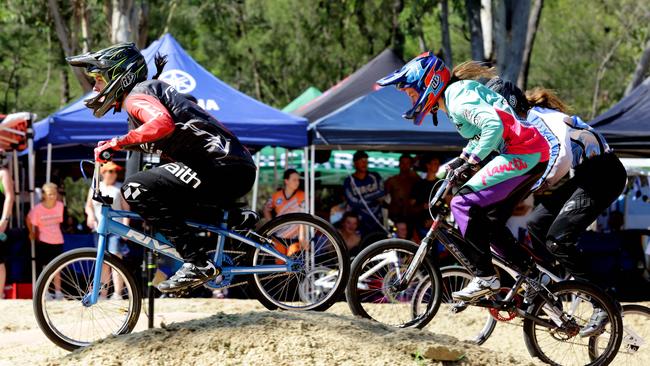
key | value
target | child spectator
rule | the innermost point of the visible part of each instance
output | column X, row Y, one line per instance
column 44, row 224
column 348, row 227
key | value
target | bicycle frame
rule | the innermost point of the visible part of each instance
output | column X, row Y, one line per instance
column 450, row 238
column 159, row 244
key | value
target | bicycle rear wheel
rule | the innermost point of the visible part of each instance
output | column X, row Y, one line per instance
column 469, row 321
column 562, row 344
column 380, row 266
column 66, row 321
column 321, row 252
column 635, row 348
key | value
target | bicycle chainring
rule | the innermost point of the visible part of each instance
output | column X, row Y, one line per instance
column 505, row 315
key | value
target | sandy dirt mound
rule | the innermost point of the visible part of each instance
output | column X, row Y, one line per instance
column 278, row 337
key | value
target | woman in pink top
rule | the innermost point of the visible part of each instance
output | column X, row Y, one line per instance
column 44, row 224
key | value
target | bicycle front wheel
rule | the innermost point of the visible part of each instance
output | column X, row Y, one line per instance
column 635, row 348
column 321, row 254
column 561, row 343
column 469, row 321
column 376, row 269
column 65, row 282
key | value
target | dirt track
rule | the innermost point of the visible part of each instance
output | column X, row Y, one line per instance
column 234, row 332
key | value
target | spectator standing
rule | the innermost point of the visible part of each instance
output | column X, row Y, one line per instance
column 399, row 188
column 348, row 228
column 44, row 224
column 108, row 187
column 7, row 197
column 421, row 192
column 288, row 199
column 364, row 193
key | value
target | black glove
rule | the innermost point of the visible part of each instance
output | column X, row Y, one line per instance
column 456, row 163
column 464, row 172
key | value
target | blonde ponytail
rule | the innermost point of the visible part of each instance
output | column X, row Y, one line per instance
column 546, row 98
column 472, row 70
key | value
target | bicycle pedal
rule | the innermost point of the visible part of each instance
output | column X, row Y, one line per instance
column 459, row 307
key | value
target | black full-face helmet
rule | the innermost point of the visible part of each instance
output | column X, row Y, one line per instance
column 121, row 66
column 512, row 94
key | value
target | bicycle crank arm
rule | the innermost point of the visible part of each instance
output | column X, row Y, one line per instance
column 459, row 307
column 542, row 322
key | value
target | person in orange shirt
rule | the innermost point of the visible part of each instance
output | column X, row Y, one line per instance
column 288, row 199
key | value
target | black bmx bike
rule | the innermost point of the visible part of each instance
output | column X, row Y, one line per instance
column 407, row 290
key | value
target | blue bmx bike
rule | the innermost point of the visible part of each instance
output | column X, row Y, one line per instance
column 294, row 262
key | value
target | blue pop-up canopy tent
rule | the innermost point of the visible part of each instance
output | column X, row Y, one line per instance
column 254, row 122
column 375, row 121
column 626, row 125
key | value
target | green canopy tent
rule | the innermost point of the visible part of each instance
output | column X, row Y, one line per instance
column 304, row 98
column 332, row 171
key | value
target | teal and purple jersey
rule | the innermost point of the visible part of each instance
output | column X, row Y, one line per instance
column 484, row 118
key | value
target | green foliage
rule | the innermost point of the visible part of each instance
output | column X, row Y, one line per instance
column 272, row 50
column 76, row 193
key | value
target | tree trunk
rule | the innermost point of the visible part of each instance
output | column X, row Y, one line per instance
column 48, row 73
column 142, row 24
column 533, row 24
column 444, row 31
column 486, row 27
column 510, row 27
column 81, row 13
column 602, row 68
column 641, row 69
column 473, row 8
column 122, row 21
column 397, row 36
column 68, row 48
column 65, row 88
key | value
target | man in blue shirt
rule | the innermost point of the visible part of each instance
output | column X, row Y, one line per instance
column 364, row 192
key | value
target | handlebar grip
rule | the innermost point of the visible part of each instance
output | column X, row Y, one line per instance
column 107, row 155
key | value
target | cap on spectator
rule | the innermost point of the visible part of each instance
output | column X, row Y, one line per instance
column 359, row 155
column 110, row 166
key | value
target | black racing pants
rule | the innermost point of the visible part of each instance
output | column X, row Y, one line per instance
column 560, row 218
column 167, row 195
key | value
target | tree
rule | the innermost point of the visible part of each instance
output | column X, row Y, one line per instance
column 69, row 47
column 510, row 29
column 533, row 24
column 476, row 32
column 641, row 69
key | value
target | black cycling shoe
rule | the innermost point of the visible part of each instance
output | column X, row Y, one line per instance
column 189, row 276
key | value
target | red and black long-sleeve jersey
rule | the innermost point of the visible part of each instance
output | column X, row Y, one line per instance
column 161, row 120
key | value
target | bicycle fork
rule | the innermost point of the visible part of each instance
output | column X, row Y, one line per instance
column 403, row 282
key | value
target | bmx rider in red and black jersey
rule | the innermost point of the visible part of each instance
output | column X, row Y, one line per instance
column 209, row 163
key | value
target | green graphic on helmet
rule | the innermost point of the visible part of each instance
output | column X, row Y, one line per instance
column 121, row 66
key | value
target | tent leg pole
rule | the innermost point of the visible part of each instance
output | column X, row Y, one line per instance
column 31, row 169
column 17, row 189
column 306, row 176
column 286, row 159
column 48, row 167
column 312, row 171
column 257, row 181
column 275, row 166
